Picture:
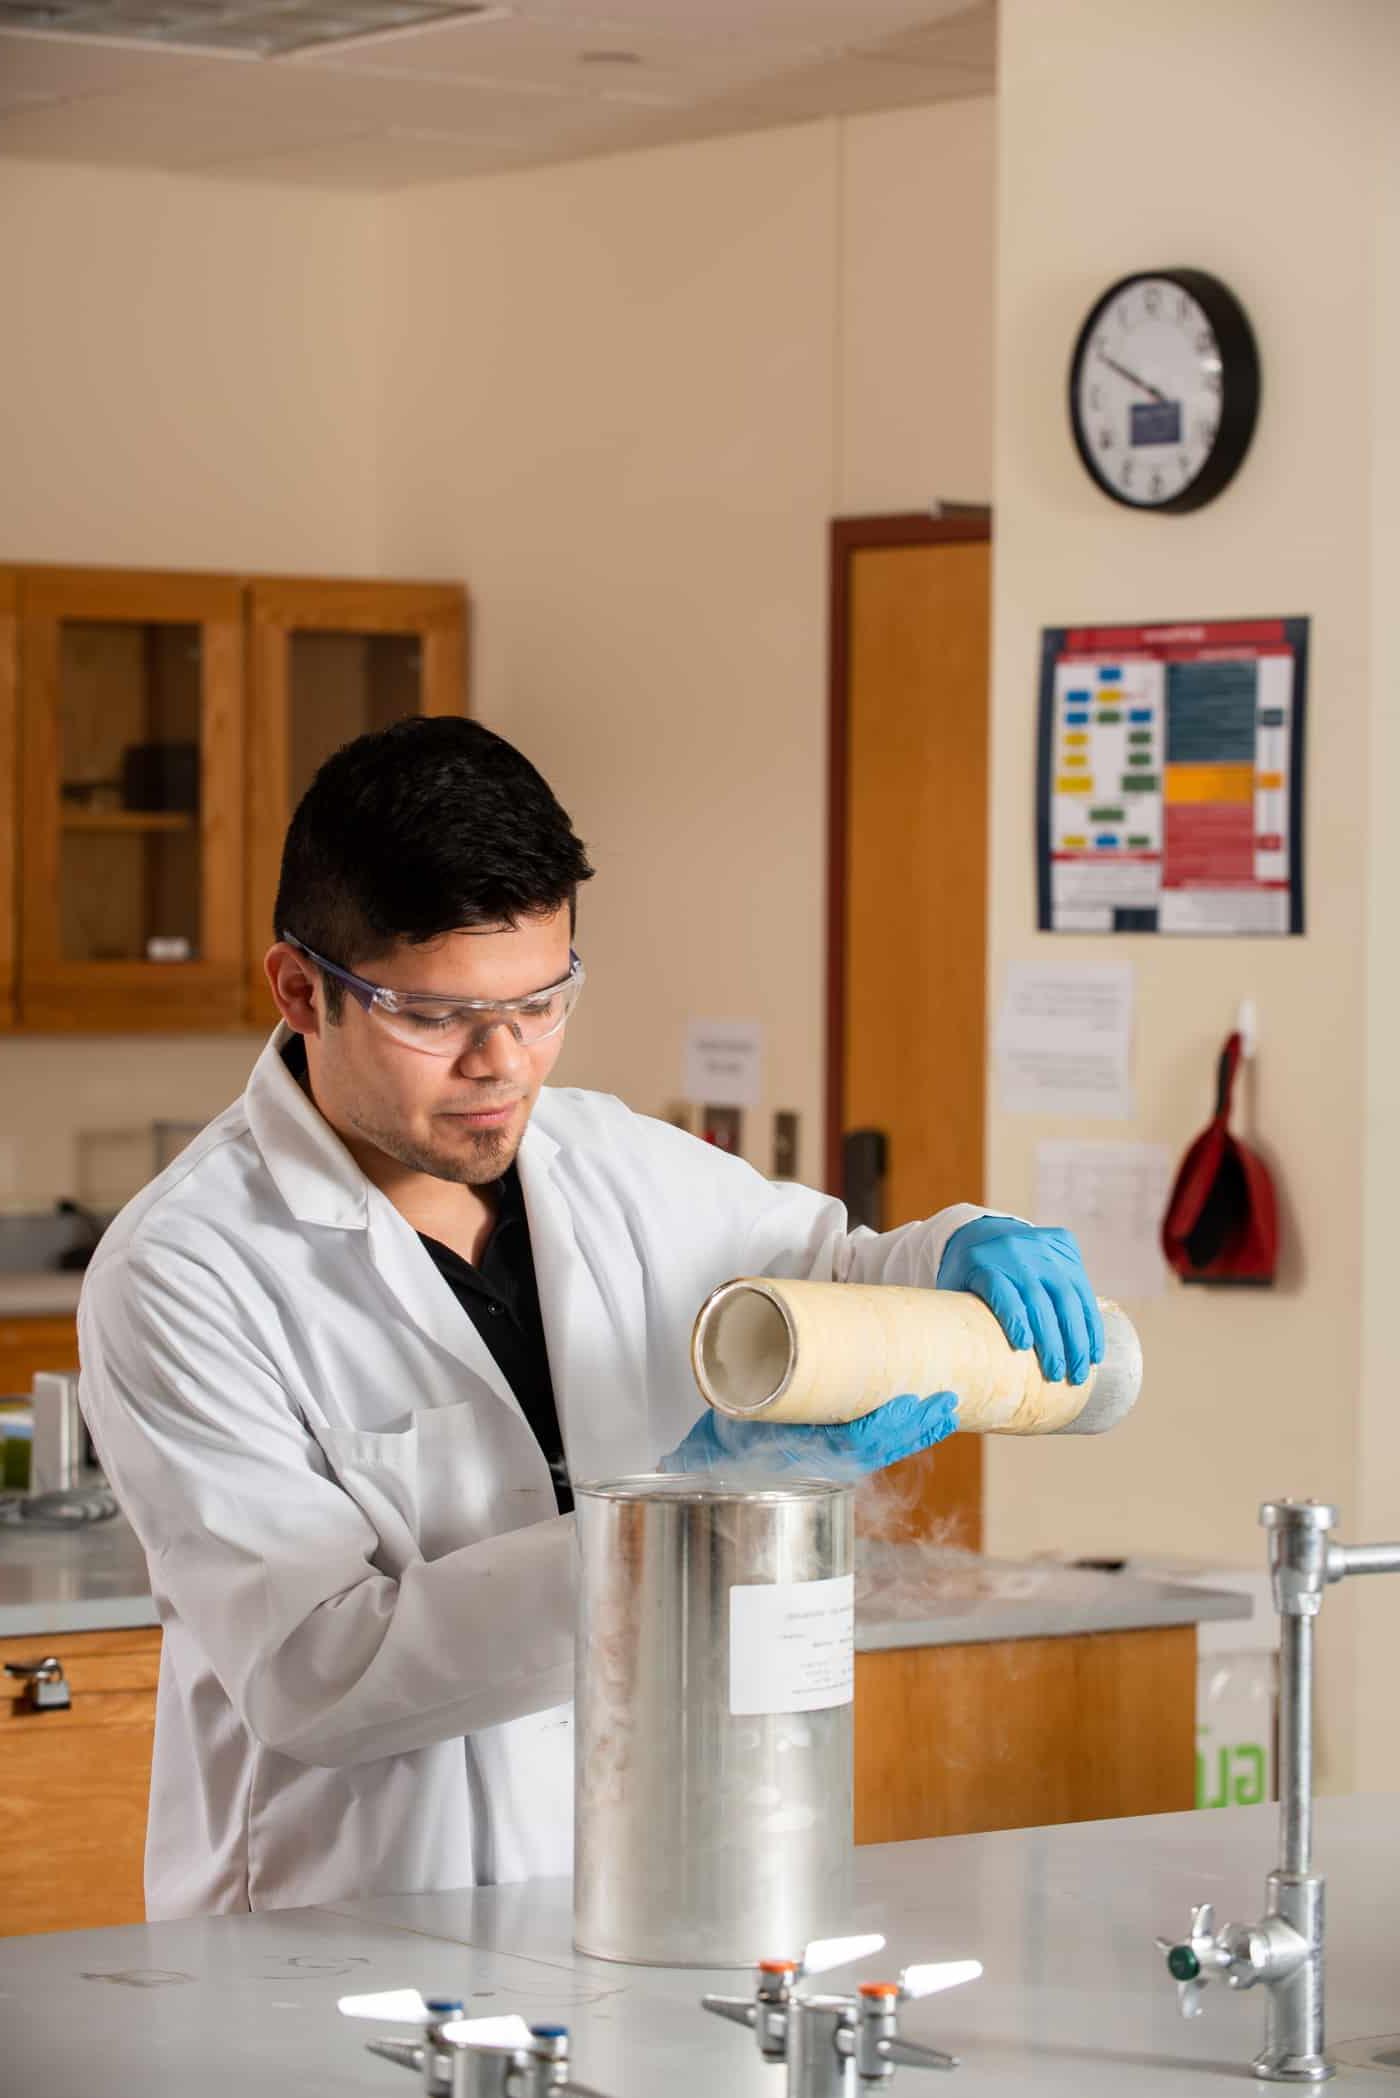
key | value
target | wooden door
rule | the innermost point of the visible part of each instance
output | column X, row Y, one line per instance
column 328, row 661
column 131, row 810
column 9, row 789
column 906, row 1044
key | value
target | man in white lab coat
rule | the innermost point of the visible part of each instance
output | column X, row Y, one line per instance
column 343, row 1358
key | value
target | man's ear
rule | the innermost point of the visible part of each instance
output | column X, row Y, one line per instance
column 296, row 988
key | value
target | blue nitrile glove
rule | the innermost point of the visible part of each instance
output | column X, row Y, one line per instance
column 1033, row 1281
column 839, row 1450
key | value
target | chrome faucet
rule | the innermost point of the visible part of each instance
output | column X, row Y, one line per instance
column 839, row 2046
column 1285, row 1951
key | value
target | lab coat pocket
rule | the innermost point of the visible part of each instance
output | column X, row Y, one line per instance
column 425, row 1488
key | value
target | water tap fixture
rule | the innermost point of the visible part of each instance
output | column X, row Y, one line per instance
column 839, row 2046
column 1284, row 1952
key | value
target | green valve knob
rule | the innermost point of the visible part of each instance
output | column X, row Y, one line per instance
column 1182, row 1963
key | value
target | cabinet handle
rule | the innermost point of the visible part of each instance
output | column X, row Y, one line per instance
column 45, row 1686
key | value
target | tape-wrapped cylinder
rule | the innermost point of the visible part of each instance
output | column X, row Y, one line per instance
column 833, row 1351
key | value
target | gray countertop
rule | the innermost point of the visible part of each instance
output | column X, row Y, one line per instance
column 1074, row 2003
column 94, row 1579
column 88, row 1580
column 39, row 1294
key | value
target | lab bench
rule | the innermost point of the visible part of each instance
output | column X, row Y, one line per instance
column 988, row 1695
column 1075, row 2001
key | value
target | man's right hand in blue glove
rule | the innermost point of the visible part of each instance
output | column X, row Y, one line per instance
column 842, row 1450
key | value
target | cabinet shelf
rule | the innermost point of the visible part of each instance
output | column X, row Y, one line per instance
column 120, row 822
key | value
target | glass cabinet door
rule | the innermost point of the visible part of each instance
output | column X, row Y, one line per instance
column 329, row 661
column 9, row 787
column 132, row 801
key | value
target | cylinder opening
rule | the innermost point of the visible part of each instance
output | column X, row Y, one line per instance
column 744, row 1349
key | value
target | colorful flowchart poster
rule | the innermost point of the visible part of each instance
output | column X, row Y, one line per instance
column 1170, row 785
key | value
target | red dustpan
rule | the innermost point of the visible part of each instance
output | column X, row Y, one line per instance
column 1221, row 1224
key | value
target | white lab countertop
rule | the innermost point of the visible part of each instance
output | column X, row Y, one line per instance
column 1075, row 2001
column 94, row 1579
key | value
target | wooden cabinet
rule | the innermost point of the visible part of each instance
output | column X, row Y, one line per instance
column 328, row 661
column 31, row 1344
column 75, row 1783
column 1022, row 1733
column 156, row 730
column 131, row 801
column 949, row 1740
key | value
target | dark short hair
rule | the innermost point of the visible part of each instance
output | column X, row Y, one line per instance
column 419, row 829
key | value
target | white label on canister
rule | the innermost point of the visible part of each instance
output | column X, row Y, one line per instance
column 792, row 1645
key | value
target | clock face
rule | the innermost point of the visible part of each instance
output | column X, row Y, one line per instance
column 1164, row 389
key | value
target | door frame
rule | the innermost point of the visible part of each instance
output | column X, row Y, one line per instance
column 849, row 536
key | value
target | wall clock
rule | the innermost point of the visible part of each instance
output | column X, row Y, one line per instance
column 1164, row 389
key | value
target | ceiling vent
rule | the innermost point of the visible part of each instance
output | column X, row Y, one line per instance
column 257, row 28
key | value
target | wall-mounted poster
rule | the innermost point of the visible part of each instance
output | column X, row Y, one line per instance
column 1170, row 783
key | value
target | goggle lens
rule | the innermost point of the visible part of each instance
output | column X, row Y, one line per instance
column 440, row 1028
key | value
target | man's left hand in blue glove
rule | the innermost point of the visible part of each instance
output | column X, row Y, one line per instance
column 844, row 1450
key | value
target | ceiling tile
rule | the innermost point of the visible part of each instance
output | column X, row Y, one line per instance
column 385, row 160
column 460, row 99
column 576, row 59
column 152, row 134
column 852, row 85
column 825, row 22
column 383, row 102
column 968, row 38
column 58, row 66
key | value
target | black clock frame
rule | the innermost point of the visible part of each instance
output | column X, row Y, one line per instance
column 1240, row 387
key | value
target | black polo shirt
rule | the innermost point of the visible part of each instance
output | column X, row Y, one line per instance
column 502, row 1300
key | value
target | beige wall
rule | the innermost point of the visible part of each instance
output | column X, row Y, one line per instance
column 625, row 398
column 189, row 375
column 1376, row 1511
column 622, row 399
column 1276, row 191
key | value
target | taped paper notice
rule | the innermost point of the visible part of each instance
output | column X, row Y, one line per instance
column 1112, row 1197
column 792, row 1646
column 724, row 1063
column 1064, row 1039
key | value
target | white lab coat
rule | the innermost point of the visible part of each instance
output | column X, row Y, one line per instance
column 366, row 1592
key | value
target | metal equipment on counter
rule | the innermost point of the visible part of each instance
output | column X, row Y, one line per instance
column 764, row 1348
column 713, row 1804
column 1285, row 1951
column 839, row 2046
column 460, row 2057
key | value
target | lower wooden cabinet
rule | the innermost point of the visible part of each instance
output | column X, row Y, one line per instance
column 74, row 1783
column 1023, row 1733
column 950, row 1740
column 29, row 1344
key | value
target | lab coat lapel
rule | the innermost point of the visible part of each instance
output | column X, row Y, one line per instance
column 593, row 1304
column 405, row 1265
column 321, row 1184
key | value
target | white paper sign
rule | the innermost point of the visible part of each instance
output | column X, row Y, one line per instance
column 724, row 1063
column 1112, row 1197
column 1064, row 1039
column 792, row 1645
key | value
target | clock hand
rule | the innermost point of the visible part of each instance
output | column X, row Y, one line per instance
column 1123, row 373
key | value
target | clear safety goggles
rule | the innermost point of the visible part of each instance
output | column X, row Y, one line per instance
column 452, row 1026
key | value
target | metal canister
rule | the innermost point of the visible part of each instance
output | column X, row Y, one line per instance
column 713, row 1812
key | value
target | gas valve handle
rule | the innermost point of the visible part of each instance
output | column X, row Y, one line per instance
column 1205, row 1955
